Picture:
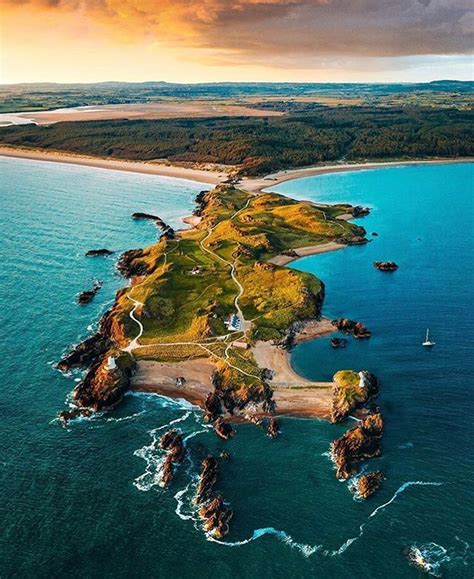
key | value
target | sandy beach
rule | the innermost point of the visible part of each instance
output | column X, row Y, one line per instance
column 257, row 185
column 208, row 177
column 207, row 174
column 305, row 251
column 293, row 394
column 160, row 378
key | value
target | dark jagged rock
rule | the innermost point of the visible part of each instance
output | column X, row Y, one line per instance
column 358, row 240
column 101, row 388
column 216, row 516
column 338, row 342
column 223, row 429
column 168, row 233
column 368, row 484
column 172, row 442
column 359, row 211
column 201, row 203
column 131, row 263
column 167, row 472
column 212, row 407
column 86, row 352
column 149, row 216
column 207, row 480
column 360, row 443
column 356, row 329
column 95, row 252
column 87, row 296
column 374, row 234
column 272, row 429
column 66, row 415
column 385, row 265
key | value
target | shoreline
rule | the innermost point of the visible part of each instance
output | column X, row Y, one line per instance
column 294, row 394
column 207, row 177
column 264, row 184
column 301, row 252
column 210, row 176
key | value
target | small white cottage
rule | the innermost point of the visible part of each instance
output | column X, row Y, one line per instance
column 111, row 365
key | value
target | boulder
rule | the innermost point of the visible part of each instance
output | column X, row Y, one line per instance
column 223, row 429
column 87, row 296
column 385, row 265
column 356, row 329
column 369, row 483
column 95, row 252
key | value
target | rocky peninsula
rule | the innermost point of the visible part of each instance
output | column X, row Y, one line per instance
column 205, row 298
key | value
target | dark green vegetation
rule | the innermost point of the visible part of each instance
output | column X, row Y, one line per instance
column 45, row 96
column 261, row 145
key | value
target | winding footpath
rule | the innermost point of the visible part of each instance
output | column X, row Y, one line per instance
column 134, row 344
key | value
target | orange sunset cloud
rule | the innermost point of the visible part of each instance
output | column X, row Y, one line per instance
column 200, row 40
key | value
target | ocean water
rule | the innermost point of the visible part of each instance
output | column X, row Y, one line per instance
column 84, row 501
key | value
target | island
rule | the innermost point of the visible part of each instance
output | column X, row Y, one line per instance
column 210, row 315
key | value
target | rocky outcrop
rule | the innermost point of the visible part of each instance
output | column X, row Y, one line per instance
column 212, row 407
column 207, row 480
column 212, row 509
column 356, row 329
column 168, row 233
column 360, row 443
column 369, row 483
column 351, row 390
column 201, row 203
column 358, row 240
column 131, row 263
column 338, row 342
column 216, row 516
column 385, row 265
column 359, row 211
column 86, row 352
column 67, row 415
column 102, row 388
column 272, row 429
column 87, row 296
column 96, row 252
column 223, row 429
column 172, row 442
column 155, row 218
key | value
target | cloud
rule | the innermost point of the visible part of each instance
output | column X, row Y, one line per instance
column 298, row 32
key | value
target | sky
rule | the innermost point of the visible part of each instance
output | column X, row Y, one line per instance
column 236, row 40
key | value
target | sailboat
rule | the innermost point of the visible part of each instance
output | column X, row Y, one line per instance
column 428, row 343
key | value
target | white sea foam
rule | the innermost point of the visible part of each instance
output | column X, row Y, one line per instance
column 306, row 550
column 153, row 456
column 400, row 490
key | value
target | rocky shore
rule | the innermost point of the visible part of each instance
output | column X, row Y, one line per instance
column 368, row 484
column 212, row 509
column 357, row 444
column 234, row 394
column 172, row 443
column 385, row 265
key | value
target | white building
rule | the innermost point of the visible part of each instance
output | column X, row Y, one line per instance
column 111, row 365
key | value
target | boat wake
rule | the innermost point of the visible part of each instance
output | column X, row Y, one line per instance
column 187, row 512
column 400, row 490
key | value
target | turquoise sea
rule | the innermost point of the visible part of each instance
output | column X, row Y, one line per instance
column 85, row 501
